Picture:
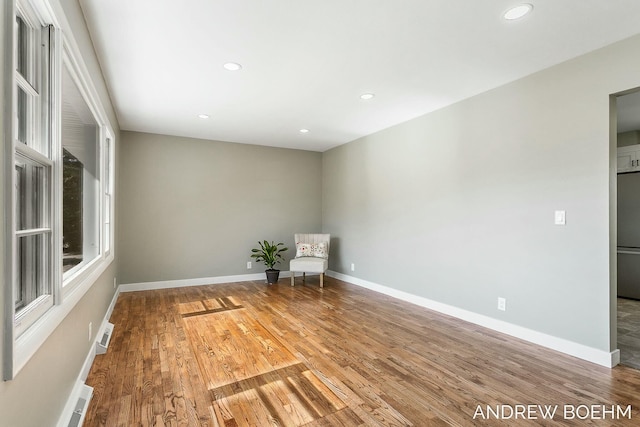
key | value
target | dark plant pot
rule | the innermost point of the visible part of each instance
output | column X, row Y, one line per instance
column 272, row 276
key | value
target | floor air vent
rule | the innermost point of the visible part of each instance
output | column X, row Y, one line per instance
column 77, row 417
column 103, row 342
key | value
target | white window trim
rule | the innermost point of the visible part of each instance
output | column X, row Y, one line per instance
column 74, row 277
column 8, row 84
column 36, row 149
column 107, row 240
column 18, row 351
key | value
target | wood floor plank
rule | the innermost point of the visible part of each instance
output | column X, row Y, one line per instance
column 243, row 354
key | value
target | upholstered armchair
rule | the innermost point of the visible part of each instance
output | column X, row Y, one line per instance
column 312, row 256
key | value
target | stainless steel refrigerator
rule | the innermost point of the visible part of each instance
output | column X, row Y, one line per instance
column 629, row 235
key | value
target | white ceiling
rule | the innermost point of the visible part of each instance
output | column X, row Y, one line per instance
column 306, row 62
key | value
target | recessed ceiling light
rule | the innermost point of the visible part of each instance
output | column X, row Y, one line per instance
column 518, row 12
column 304, row 130
column 203, row 116
column 366, row 96
column 232, row 66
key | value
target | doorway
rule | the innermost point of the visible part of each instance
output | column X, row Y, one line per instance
column 627, row 204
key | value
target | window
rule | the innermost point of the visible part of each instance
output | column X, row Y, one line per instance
column 33, row 239
column 80, row 178
column 61, row 221
column 32, row 274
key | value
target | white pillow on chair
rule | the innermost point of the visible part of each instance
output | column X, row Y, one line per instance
column 319, row 250
column 303, row 249
column 316, row 250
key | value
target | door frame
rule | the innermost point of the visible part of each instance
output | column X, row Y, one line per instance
column 613, row 223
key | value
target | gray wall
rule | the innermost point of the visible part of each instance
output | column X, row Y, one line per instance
column 192, row 208
column 458, row 205
column 48, row 378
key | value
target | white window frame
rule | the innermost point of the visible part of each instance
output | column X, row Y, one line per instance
column 35, row 309
column 74, row 276
column 24, row 336
column 37, row 150
column 108, row 188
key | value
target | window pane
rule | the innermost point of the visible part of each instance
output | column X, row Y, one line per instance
column 107, row 222
column 80, row 226
column 107, row 232
column 22, row 45
column 21, row 209
column 32, row 269
column 19, row 282
column 31, row 190
column 107, row 195
column 72, row 174
column 107, row 172
column 23, row 108
column 107, row 213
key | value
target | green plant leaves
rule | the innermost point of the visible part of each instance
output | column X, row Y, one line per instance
column 268, row 253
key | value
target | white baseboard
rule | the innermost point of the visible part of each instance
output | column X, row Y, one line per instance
column 74, row 413
column 112, row 305
column 81, row 388
column 600, row 357
column 88, row 361
column 166, row 284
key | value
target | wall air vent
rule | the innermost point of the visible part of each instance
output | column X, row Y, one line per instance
column 104, row 338
column 80, row 410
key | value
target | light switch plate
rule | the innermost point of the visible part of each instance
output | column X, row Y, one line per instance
column 560, row 217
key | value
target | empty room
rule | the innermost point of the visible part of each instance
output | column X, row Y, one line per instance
column 320, row 213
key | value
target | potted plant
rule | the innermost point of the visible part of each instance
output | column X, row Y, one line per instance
column 270, row 254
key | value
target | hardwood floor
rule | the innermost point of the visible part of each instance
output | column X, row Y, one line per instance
column 243, row 354
column 629, row 332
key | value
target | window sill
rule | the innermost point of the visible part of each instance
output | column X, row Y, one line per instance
column 78, row 275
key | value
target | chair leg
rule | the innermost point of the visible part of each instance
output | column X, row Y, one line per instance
column 293, row 278
column 304, row 277
column 322, row 280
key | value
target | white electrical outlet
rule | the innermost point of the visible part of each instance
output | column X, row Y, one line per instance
column 560, row 217
column 353, row 267
column 90, row 330
column 502, row 304
column 248, row 265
